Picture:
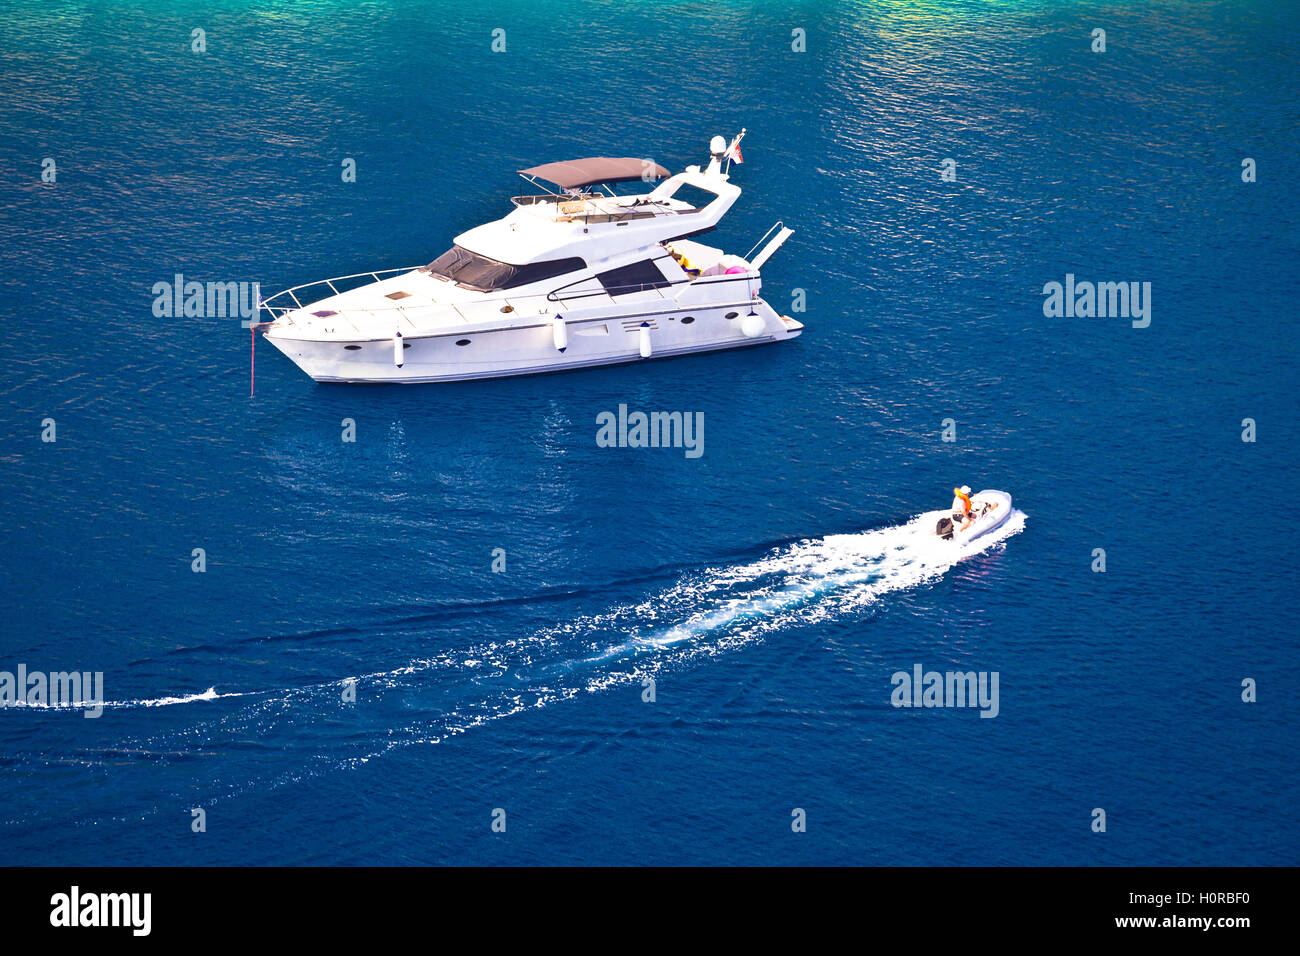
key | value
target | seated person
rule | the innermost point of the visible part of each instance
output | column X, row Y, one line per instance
column 961, row 511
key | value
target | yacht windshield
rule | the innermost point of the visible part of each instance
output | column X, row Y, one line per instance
column 482, row 274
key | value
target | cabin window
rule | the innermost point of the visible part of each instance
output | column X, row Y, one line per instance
column 732, row 315
column 688, row 320
column 353, row 348
column 462, row 342
column 637, row 277
column 482, row 274
column 696, row 197
column 538, row 271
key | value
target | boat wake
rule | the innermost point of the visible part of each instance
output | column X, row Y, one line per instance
column 209, row 694
column 236, row 741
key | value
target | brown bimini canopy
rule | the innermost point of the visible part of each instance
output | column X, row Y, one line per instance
column 576, row 173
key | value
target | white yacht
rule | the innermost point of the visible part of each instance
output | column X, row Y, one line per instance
column 570, row 278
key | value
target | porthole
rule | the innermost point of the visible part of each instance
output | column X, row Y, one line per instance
column 732, row 315
column 688, row 320
column 463, row 342
column 406, row 345
column 353, row 348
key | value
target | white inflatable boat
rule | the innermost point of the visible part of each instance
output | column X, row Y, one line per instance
column 989, row 510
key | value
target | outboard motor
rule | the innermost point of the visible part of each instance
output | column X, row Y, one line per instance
column 944, row 529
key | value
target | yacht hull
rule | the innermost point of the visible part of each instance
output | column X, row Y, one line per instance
column 530, row 349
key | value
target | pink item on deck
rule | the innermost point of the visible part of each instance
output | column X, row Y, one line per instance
column 735, row 269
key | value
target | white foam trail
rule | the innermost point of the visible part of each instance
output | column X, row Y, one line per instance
column 209, row 694
column 814, row 580
column 717, row 610
column 703, row 614
column 810, row 581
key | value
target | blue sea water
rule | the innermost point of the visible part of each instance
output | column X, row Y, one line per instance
column 758, row 584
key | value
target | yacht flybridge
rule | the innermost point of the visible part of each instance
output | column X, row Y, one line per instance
column 570, row 278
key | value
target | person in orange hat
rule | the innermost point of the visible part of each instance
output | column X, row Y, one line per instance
column 961, row 513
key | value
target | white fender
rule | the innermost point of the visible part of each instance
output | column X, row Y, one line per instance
column 560, row 333
column 398, row 357
column 752, row 326
column 645, row 339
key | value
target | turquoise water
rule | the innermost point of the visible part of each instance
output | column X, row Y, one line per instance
column 761, row 585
